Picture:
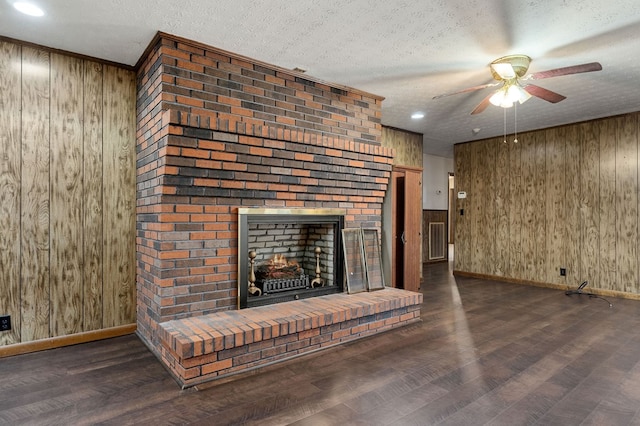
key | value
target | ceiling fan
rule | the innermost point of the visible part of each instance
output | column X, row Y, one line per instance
column 511, row 73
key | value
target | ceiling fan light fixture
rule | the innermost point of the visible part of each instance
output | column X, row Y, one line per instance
column 516, row 93
column 501, row 98
column 510, row 72
column 508, row 94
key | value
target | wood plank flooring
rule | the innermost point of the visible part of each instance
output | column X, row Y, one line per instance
column 485, row 353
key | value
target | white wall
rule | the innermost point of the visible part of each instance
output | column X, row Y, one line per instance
column 435, row 182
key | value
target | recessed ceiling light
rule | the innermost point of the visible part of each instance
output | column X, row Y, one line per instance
column 417, row 115
column 28, row 8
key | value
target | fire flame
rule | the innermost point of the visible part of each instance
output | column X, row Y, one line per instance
column 280, row 261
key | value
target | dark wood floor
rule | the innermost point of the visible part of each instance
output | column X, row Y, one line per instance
column 485, row 353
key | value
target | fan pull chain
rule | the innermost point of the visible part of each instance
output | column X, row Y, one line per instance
column 515, row 122
column 505, row 125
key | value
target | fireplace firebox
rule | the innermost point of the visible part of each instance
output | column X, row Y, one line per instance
column 288, row 254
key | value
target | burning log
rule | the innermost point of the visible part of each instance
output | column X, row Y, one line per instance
column 278, row 267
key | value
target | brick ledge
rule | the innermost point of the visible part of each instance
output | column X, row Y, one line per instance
column 207, row 347
column 205, row 334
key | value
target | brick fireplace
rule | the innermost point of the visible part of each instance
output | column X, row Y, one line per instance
column 217, row 133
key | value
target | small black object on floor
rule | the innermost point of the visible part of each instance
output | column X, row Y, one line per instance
column 580, row 289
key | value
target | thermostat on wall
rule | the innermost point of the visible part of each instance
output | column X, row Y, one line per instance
column 462, row 194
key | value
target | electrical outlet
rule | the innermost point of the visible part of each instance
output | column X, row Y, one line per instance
column 563, row 272
column 5, row 322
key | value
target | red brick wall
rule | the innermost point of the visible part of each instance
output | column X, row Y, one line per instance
column 216, row 132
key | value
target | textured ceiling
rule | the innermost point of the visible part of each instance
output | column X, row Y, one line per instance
column 406, row 51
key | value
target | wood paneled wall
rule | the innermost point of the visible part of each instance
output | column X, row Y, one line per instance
column 408, row 146
column 428, row 217
column 67, row 194
column 564, row 197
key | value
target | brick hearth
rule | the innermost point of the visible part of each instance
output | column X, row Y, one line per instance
column 216, row 132
column 208, row 347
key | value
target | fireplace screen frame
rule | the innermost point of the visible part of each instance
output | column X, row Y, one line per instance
column 250, row 216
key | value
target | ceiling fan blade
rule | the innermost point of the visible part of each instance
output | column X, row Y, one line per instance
column 482, row 105
column 542, row 93
column 504, row 70
column 575, row 69
column 470, row 89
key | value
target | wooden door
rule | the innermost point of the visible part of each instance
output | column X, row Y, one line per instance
column 407, row 228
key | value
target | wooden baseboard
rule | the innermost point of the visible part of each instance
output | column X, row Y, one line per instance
column 72, row 339
column 598, row 291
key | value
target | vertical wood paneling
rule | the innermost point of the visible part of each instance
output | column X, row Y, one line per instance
column 119, row 197
column 555, row 206
column 462, row 181
column 475, row 212
column 408, row 146
column 35, row 194
column 429, row 216
column 539, row 222
column 608, row 204
column 626, row 204
column 574, row 202
column 530, row 206
column 66, row 194
column 486, row 209
column 10, row 159
column 52, row 216
column 516, row 206
column 92, row 201
column 590, row 204
column 573, row 194
column 503, row 208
